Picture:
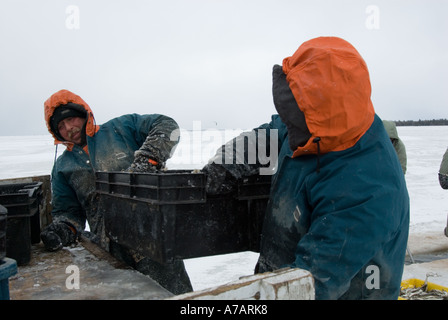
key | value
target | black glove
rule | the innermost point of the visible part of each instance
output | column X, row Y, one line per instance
column 219, row 180
column 57, row 235
column 144, row 162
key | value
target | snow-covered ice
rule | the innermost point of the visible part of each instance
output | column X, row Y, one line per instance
column 23, row 156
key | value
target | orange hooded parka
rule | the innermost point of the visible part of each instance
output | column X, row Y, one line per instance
column 330, row 82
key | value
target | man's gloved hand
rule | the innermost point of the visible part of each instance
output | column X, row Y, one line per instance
column 219, row 180
column 57, row 235
column 144, row 162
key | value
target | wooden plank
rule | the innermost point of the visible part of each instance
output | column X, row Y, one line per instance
column 284, row 284
column 53, row 275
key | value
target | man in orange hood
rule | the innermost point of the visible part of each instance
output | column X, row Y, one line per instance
column 339, row 205
column 130, row 142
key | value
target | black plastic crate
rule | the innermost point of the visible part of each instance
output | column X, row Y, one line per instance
column 22, row 202
column 21, row 199
column 169, row 187
column 168, row 215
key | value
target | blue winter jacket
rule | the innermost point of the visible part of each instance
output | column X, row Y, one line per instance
column 346, row 221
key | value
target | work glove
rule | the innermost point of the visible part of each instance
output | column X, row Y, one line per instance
column 149, row 157
column 219, row 179
column 144, row 162
column 57, row 235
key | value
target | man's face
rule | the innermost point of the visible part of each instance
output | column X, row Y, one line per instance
column 71, row 129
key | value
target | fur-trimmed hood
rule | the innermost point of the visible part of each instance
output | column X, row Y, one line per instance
column 63, row 97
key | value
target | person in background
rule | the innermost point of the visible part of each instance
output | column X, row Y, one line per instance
column 443, row 171
column 398, row 144
column 132, row 142
column 443, row 179
column 338, row 206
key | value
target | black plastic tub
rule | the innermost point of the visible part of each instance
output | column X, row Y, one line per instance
column 168, row 215
column 22, row 202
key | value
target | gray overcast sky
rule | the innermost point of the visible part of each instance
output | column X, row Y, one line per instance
column 209, row 61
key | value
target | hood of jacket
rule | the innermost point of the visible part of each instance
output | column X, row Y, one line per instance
column 330, row 82
column 63, row 97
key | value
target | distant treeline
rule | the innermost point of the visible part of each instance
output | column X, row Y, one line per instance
column 433, row 122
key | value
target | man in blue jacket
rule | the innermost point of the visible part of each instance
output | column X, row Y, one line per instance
column 139, row 143
column 339, row 205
